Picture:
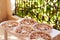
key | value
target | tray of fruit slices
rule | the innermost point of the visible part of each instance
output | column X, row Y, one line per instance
column 9, row 25
column 28, row 29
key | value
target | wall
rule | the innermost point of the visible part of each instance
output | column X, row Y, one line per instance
column 5, row 11
column 3, row 15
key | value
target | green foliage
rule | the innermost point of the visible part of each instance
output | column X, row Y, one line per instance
column 40, row 10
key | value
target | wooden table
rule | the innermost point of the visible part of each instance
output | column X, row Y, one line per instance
column 55, row 34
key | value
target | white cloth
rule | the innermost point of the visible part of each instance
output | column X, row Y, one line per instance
column 54, row 33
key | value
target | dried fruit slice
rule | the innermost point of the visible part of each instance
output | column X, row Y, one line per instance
column 28, row 21
column 43, row 27
column 24, row 30
column 37, row 35
column 9, row 24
